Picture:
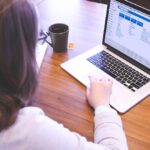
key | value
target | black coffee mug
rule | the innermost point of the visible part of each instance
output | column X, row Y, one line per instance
column 59, row 37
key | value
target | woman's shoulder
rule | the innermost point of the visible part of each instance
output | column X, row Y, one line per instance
column 27, row 111
column 31, row 127
column 29, row 119
column 33, row 116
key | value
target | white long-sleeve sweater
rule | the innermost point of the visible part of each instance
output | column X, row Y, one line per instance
column 35, row 131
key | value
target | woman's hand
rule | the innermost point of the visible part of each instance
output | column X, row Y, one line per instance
column 99, row 92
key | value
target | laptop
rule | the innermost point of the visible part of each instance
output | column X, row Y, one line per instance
column 124, row 55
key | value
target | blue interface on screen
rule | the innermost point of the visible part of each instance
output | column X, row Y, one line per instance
column 128, row 30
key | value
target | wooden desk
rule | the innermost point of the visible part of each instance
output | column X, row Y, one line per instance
column 60, row 95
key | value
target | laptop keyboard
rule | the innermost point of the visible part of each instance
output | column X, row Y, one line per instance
column 123, row 73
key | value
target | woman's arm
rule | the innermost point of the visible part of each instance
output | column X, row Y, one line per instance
column 108, row 126
column 108, row 129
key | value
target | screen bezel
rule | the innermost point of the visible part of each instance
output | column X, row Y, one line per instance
column 112, row 49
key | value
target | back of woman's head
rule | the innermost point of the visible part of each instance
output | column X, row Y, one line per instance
column 18, row 35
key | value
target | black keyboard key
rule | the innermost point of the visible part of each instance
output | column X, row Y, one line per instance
column 135, row 85
column 108, row 72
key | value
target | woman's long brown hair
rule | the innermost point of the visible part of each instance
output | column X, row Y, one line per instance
column 18, row 78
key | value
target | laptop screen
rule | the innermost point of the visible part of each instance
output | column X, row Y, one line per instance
column 127, row 30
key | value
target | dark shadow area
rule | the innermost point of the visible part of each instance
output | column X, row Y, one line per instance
column 143, row 3
column 99, row 1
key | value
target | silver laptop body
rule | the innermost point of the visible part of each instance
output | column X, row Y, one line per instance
column 124, row 55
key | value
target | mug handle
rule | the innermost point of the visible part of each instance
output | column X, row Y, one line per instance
column 43, row 36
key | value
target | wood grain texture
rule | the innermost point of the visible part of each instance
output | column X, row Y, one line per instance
column 60, row 95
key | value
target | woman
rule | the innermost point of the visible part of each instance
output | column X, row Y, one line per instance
column 23, row 127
